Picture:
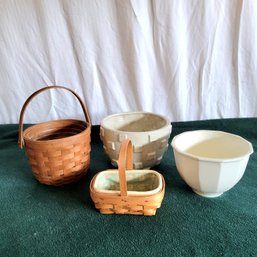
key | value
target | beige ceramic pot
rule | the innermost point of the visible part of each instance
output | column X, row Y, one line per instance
column 149, row 133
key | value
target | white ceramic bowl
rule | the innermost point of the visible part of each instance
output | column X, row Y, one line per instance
column 211, row 162
column 149, row 133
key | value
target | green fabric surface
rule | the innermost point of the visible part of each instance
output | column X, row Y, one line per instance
column 40, row 220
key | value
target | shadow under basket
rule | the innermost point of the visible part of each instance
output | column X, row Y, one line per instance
column 58, row 150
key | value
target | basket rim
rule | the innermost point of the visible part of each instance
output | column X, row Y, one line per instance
column 26, row 139
column 130, row 193
column 118, row 195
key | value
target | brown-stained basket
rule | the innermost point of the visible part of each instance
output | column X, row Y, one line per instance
column 58, row 150
column 121, row 202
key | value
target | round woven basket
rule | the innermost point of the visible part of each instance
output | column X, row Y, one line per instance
column 58, row 150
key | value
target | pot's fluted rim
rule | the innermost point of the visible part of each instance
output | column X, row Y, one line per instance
column 210, row 134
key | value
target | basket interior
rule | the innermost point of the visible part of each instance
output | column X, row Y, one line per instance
column 134, row 122
column 56, row 129
column 138, row 181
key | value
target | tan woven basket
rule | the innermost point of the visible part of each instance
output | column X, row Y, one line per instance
column 58, row 150
column 124, row 201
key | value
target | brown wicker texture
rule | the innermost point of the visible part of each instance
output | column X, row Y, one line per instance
column 123, row 203
column 58, row 150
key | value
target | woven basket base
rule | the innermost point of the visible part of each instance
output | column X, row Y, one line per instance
column 61, row 180
column 134, row 211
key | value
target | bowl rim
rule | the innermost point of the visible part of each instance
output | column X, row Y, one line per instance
column 167, row 122
column 208, row 159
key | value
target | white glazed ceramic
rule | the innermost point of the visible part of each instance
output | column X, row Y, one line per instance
column 211, row 162
column 149, row 133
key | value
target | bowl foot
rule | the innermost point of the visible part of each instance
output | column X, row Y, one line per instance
column 208, row 195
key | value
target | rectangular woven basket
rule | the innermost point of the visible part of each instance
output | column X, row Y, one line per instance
column 123, row 198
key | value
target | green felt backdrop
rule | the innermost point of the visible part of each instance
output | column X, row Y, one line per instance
column 40, row 220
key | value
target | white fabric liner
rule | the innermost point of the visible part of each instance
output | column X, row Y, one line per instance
column 139, row 182
column 186, row 60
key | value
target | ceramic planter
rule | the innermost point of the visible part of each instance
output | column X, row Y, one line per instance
column 149, row 133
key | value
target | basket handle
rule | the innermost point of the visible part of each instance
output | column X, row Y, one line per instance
column 84, row 108
column 125, row 162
